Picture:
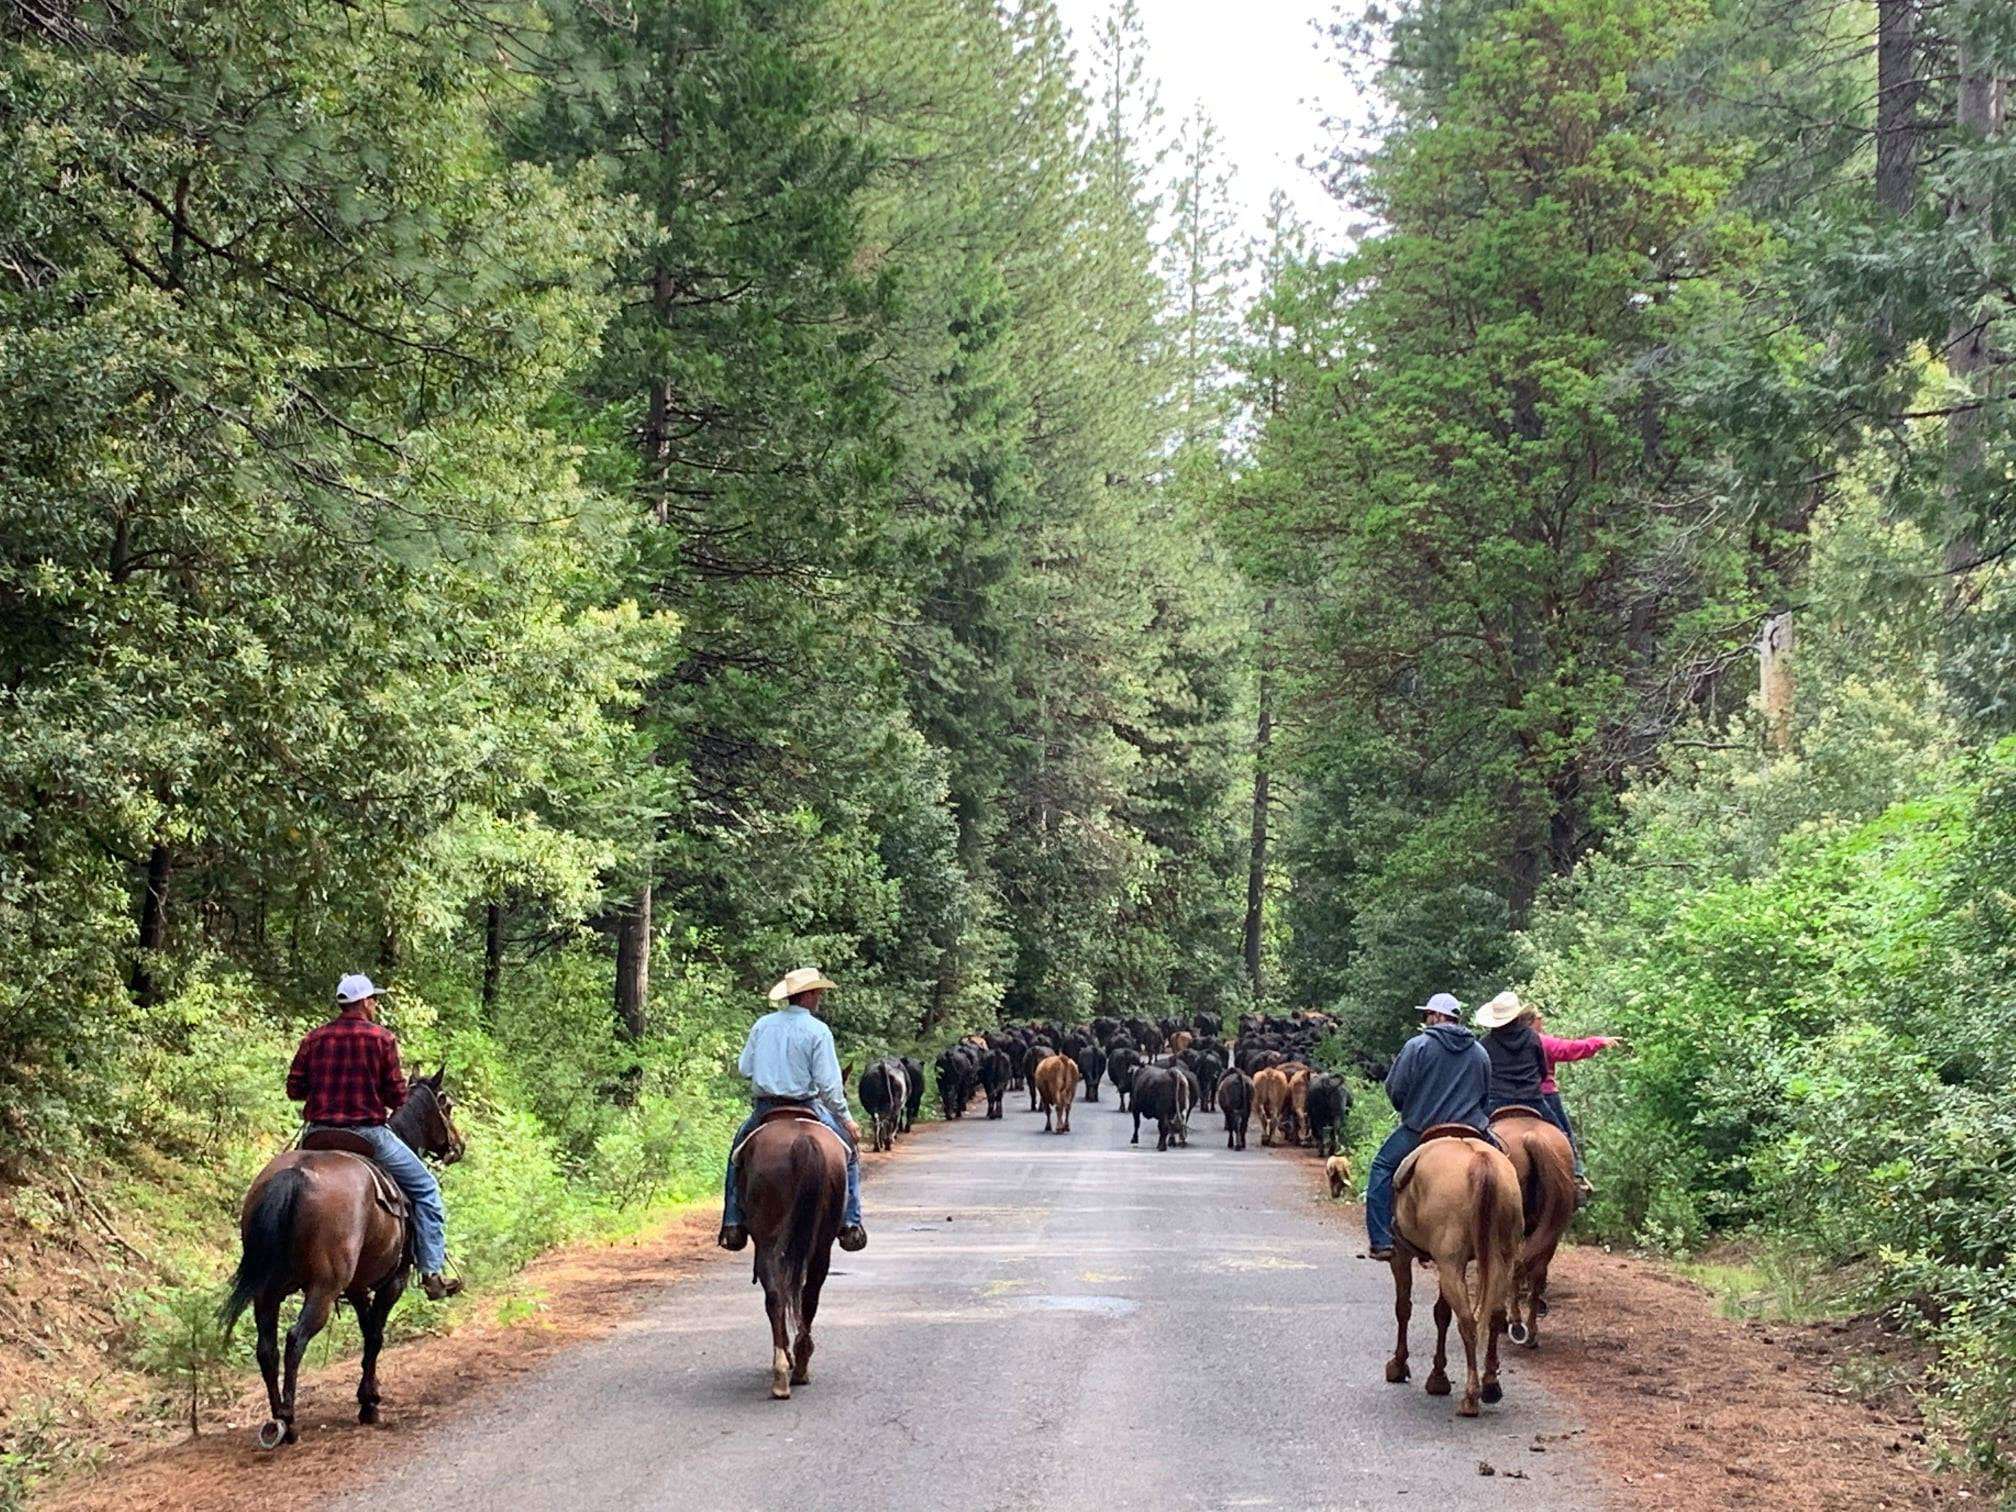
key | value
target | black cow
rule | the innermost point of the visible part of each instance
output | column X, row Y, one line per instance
column 1235, row 1101
column 1038, row 1053
column 958, row 1070
column 1121, row 1063
column 1329, row 1098
column 1104, row 1028
column 913, row 1069
column 1210, row 1069
column 884, row 1090
column 1165, row 1094
column 995, row 1073
column 1091, row 1066
column 1206, row 1025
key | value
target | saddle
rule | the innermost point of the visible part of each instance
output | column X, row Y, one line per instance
column 1434, row 1132
column 1519, row 1110
column 388, row 1193
column 787, row 1112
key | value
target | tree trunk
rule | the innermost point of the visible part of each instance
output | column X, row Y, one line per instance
column 493, row 957
column 146, row 988
column 1968, row 358
column 633, row 966
column 1774, row 681
column 1256, row 866
column 1897, row 89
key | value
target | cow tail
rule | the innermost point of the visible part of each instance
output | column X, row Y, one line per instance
column 268, row 1235
column 815, row 1219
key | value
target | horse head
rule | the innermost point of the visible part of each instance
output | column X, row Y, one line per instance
column 433, row 1130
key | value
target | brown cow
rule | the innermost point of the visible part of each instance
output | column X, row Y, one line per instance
column 1295, row 1121
column 1270, row 1097
column 1180, row 1041
column 1057, row 1085
column 1338, row 1169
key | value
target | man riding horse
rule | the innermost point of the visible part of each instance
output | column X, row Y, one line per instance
column 347, row 1076
column 790, row 1061
column 1440, row 1076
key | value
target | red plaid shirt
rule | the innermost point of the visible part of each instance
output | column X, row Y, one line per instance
column 348, row 1072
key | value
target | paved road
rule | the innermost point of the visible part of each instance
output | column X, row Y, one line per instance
column 1041, row 1323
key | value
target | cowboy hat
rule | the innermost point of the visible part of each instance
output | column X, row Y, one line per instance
column 1501, row 1010
column 804, row 979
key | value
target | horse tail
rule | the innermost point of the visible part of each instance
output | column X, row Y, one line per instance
column 815, row 1218
column 268, row 1232
column 1533, row 1191
column 1492, row 1235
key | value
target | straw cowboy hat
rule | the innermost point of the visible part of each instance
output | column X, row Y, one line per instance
column 1500, row 1011
column 804, row 979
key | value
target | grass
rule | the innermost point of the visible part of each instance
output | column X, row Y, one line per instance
column 1769, row 1283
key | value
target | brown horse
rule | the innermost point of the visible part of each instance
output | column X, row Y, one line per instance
column 1545, row 1162
column 1057, row 1082
column 793, row 1171
column 312, row 1224
column 1455, row 1200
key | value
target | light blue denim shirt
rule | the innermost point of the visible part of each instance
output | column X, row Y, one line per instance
column 790, row 1054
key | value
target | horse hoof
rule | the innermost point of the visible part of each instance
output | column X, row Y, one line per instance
column 1437, row 1385
column 1468, row 1409
column 271, row 1434
column 292, row 1436
column 367, row 1414
column 1493, row 1392
column 1395, row 1373
column 780, row 1393
column 1518, row 1333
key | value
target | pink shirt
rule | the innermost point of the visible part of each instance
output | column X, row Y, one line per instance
column 1565, row 1050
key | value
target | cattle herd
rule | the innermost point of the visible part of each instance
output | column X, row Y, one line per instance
column 1160, row 1070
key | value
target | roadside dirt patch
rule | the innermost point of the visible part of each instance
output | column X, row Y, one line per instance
column 1689, row 1411
column 582, row 1291
column 1693, row 1411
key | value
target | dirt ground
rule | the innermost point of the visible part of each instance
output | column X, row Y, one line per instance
column 1689, row 1411
column 1686, row 1410
column 583, row 1291
column 1692, row 1411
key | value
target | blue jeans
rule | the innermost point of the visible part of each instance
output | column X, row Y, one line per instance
column 731, row 1198
column 1379, row 1182
column 1559, row 1113
column 430, row 1219
column 1379, row 1185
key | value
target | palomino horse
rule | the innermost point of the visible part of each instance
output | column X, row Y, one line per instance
column 793, row 1171
column 1546, row 1166
column 312, row 1223
column 1455, row 1200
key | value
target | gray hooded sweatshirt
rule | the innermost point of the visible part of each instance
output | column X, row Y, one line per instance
column 1440, row 1076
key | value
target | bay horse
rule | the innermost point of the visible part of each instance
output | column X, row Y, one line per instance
column 793, row 1171
column 1545, row 1163
column 1455, row 1200
column 312, row 1224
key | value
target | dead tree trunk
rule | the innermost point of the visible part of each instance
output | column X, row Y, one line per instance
column 153, row 934
column 633, row 965
column 1256, row 865
column 1968, row 359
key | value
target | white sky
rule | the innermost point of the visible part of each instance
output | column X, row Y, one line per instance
column 1265, row 77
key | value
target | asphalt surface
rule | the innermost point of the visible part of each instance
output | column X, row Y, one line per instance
column 1038, row 1322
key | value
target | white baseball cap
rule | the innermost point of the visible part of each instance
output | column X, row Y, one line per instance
column 355, row 988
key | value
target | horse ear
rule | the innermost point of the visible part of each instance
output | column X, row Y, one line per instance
column 440, row 1076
